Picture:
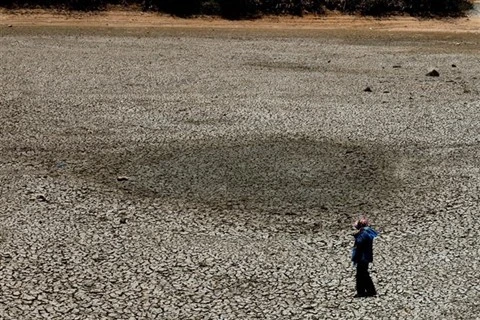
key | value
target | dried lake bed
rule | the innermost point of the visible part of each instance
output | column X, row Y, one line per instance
column 201, row 173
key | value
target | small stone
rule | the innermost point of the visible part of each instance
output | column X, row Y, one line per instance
column 123, row 220
column 367, row 89
column 10, row 25
column 98, row 258
column 454, row 65
column 60, row 165
column 397, row 66
column 41, row 198
column 122, row 178
column 433, row 73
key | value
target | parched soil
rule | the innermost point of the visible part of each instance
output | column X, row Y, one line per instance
column 161, row 168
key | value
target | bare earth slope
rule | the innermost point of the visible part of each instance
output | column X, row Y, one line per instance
column 136, row 19
column 203, row 169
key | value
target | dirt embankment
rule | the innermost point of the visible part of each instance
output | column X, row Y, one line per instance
column 138, row 19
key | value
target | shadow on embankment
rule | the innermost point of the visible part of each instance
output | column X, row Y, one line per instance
column 277, row 172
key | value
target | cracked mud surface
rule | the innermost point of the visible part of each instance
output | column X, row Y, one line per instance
column 202, row 174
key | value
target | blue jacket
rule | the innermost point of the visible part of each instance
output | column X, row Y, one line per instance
column 363, row 250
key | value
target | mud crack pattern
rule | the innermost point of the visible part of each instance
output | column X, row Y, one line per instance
column 215, row 175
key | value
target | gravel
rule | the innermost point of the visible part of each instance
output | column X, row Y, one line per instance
column 202, row 174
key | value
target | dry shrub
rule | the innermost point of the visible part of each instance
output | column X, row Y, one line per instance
column 247, row 9
column 79, row 5
column 239, row 9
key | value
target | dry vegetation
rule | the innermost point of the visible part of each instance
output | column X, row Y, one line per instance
column 241, row 9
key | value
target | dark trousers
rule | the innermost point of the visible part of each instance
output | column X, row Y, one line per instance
column 364, row 283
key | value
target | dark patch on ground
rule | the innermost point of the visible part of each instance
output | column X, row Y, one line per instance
column 287, row 66
column 284, row 66
column 276, row 172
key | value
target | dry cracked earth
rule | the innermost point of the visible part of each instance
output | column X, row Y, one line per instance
column 215, row 174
